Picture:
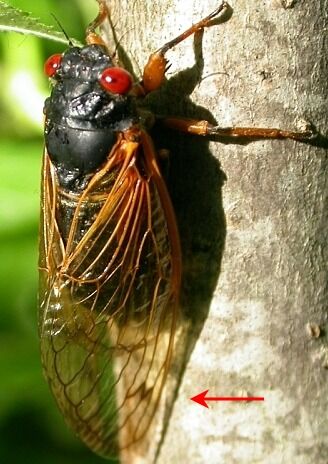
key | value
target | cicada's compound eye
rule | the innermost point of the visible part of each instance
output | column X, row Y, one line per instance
column 116, row 80
column 52, row 64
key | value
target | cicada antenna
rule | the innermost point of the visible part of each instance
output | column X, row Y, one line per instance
column 119, row 54
column 118, row 42
column 70, row 43
column 211, row 75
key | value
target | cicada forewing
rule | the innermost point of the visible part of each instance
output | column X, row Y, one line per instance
column 110, row 277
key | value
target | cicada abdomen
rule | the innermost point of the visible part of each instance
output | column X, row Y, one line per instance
column 109, row 256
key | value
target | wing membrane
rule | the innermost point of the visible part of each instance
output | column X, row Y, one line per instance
column 109, row 271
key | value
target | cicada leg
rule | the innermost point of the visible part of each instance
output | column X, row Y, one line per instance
column 202, row 127
column 91, row 36
column 154, row 71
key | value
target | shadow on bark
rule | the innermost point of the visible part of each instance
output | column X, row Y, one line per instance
column 195, row 182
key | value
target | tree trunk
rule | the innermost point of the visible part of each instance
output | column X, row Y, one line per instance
column 253, row 222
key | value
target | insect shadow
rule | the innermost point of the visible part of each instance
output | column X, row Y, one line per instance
column 195, row 182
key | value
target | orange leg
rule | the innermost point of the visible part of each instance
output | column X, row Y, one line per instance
column 194, row 126
column 154, row 71
column 91, row 36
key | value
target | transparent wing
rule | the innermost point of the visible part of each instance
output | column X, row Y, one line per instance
column 109, row 283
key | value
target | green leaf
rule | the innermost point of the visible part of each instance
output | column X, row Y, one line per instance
column 15, row 20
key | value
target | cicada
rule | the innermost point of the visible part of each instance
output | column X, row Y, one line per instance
column 110, row 259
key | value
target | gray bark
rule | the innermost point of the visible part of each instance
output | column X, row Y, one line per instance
column 253, row 221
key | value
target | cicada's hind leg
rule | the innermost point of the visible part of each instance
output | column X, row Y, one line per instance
column 154, row 71
column 202, row 127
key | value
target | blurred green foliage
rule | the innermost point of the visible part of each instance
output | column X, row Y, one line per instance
column 31, row 428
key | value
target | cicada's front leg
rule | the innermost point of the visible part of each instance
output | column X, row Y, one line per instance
column 154, row 71
column 91, row 36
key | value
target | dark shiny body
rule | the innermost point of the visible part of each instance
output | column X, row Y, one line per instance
column 81, row 117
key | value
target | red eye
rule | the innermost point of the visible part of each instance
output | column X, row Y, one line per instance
column 116, row 80
column 52, row 64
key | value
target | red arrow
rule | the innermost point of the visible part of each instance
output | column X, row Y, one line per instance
column 202, row 399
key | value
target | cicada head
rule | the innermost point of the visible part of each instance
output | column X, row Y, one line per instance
column 89, row 103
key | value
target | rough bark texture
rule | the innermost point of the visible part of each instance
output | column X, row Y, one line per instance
column 253, row 220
